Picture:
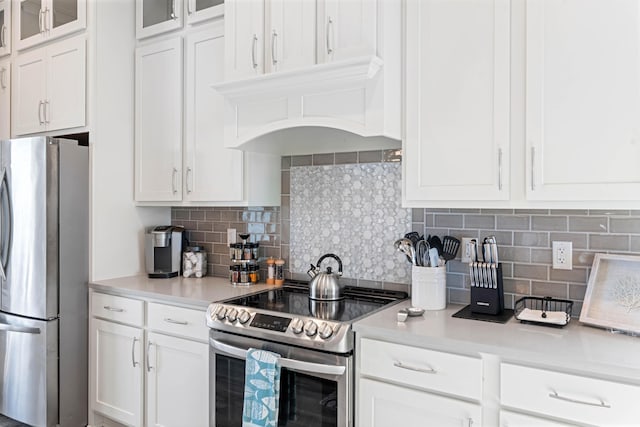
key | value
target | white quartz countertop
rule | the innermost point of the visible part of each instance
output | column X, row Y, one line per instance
column 575, row 347
column 178, row 290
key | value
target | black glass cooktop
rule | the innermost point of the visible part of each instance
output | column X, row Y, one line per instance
column 293, row 298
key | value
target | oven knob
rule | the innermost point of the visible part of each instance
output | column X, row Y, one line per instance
column 221, row 313
column 310, row 328
column 297, row 325
column 243, row 316
column 232, row 315
column 325, row 331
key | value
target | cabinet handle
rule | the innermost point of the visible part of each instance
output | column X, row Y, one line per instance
column 533, row 168
column 329, row 36
column 3, row 36
column 133, row 352
column 500, row 169
column 174, row 186
column 177, row 322
column 47, row 113
column 254, row 46
column 189, row 7
column 415, row 368
column 274, row 53
column 40, row 21
column 117, row 310
column 3, row 75
column 40, row 108
column 601, row 404
column 47, row 19
column 173, row 10
column 189, row 178
column 470, row 422
column 149, row 367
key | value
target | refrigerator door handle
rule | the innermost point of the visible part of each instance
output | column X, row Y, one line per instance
column 16, row 328
column 6, row 224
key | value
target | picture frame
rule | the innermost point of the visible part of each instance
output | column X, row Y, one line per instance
column 612, row 299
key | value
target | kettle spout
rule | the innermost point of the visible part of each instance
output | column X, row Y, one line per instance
column 313, row 271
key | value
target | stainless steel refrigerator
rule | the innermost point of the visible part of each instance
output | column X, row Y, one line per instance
column 44, row 240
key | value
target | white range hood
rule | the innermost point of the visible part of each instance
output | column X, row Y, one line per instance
column 354, row 95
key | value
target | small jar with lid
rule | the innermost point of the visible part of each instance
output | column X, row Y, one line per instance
column 194, row 262
column 279, row 272
column 253, row 273
column 234, row 274
column 271, row 271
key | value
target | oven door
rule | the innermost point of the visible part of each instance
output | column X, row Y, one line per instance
column 316, row 388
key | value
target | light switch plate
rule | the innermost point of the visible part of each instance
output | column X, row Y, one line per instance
column 231, row 236
column 465, row 247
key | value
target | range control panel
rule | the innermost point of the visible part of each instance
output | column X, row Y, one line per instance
column 273, row 323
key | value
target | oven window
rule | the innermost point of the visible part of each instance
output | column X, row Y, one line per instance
column 305, row 401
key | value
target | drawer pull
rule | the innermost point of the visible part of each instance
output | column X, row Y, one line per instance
column 415, row 368
column 177, row 322
column 600, row 404
column 117, row 310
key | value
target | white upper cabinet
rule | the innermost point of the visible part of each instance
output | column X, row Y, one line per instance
column 5, row 27
column 457, row 143
column 207, row 163
column 200, row 10
column 583, row 100
column 269, row 35
column 37, row 21
column 158, row 118
column 157, row 16
column 346, row 29
column 49, row 88
column 5, row 100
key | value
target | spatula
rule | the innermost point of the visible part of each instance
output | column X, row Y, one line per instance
column 450, row 247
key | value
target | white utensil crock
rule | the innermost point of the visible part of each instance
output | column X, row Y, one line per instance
column 429, row 287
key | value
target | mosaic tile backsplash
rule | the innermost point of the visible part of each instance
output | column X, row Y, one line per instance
column 353, row 211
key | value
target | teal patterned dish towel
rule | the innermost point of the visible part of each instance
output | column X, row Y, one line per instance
column 261, row 389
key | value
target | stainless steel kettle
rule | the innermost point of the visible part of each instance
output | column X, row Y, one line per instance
column 324, row 285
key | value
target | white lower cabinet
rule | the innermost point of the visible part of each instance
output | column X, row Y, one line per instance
column 573, row 398
column 405, row 385
column 383, row 405
column 152, row 372
column 116, row 370
column 177, row 381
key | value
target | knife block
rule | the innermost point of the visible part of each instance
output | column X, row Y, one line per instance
column 487, row 300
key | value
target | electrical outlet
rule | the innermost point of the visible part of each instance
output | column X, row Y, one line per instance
column 562, row 255
column 231, row 236
column 466, row 249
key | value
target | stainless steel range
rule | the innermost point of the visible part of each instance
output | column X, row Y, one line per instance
column 316, row 343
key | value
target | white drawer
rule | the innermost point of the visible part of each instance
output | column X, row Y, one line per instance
column 418, row 367
column 120, row 309
column 570, row 397
column 180, row 321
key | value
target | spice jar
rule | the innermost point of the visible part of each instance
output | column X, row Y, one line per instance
column 279, row 272
column 253, row 273
column 244, row 274
column 271, row 271
column 234, row 274
column 246, row 251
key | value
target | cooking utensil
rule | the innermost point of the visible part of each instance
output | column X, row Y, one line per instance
column 414, row 236
column 435, row 242
column 406, row 247
column 450, row 247
column 422, row 253
column 325, row 285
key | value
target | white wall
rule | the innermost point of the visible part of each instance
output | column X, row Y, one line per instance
column 117, row 225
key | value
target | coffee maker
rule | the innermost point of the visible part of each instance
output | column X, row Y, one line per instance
column 163, row 250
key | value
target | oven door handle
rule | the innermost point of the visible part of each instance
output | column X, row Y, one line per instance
column 296, row 365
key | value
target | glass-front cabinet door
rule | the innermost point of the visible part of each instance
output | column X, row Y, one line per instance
column 199, row 10
column 5, row 27
column 42, row 20
column 157, row 16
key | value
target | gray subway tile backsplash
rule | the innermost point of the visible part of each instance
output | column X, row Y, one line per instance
column 524, row 236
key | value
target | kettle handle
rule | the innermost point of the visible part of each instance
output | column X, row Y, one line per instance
column 336, row 257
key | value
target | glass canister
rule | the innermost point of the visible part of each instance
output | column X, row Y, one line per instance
column 271, row 271
column 194, row 262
